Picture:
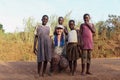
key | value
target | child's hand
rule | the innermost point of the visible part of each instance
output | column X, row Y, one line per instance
column 35, row 51
column 87, row 23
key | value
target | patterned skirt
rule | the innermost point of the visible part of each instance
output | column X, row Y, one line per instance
column 73, row 51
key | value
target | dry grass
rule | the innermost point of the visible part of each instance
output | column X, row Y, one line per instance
column 19, row 46
column 16, row 51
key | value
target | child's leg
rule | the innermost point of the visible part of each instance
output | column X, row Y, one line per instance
column 51, row 66
column 39, row 67
column 74, row 66
column 88, row 62
column 59, row 68
column 50, row 69
column 83, row 60
column 44, row 67
column 70, row 66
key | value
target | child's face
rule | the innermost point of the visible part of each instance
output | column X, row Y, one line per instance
column 87, row 18
column 60, row 21
column 71, row 25
column 59, row 31
column 44, row 20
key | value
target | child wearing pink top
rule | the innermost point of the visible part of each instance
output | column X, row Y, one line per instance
column 86, row 30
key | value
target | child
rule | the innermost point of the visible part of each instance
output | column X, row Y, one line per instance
column 44, row 45
column 72, row 48
column 86, row 29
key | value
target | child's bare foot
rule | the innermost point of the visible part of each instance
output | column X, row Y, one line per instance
column 43, row 74
column 88, row 73
column 82, row 73
column 50, row 73
column 39, row 74
column 70, row 70
column 73, row 73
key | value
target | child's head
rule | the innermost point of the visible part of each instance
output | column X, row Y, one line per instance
column 86, row 17
column 71, row 24
column 45, row 19
column 60, row 20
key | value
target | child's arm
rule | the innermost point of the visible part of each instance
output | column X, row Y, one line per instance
column 81, row 30
column 78, row 36
column 50, row 33
column 35, row 42
column 91, row 27
column 65, row 30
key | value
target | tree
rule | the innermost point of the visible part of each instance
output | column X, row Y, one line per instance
column 1, row 28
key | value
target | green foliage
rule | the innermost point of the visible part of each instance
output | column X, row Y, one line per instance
column 66, row 19
column 1, row 28
column 106, row 38
column 53, row 21
column 28, row 33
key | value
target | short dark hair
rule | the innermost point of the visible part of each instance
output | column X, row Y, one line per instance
column 45, row 16
column 60, row 17
column 86, row 15
column 71, row 21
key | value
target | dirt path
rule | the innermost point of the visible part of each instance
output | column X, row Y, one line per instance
column 102, row 69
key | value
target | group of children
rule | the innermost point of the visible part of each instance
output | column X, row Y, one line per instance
column 65, row 47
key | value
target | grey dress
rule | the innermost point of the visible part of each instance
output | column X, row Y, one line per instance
column 44, row 44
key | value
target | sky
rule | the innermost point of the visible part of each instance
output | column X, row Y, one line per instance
column 12, row 12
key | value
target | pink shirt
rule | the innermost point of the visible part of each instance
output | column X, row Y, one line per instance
column 86, row 37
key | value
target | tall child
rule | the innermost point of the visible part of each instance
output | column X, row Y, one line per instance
column 44, row 45
column 86, row 29
column 72, row 47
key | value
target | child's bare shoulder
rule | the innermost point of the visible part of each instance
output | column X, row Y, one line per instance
column 82, row 24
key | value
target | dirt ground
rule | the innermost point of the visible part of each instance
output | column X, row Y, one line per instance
column 102, row 69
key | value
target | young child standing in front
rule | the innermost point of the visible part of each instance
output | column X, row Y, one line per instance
column 86, row 29
column 44, row 45
column 72, row 48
